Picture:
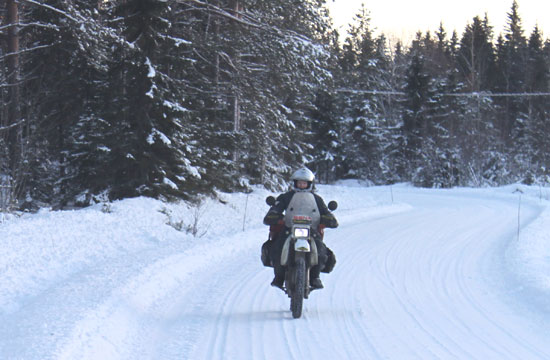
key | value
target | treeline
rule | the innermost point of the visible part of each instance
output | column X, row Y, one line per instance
column 448, row 110
column 174, row 98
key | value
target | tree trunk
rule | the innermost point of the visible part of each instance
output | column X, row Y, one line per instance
column 12, row 59
column 237, row 8
column 14, row 133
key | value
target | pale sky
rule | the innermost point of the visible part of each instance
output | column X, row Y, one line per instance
column 401, row 19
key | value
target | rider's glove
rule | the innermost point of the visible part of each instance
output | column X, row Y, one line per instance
column 272, row 218
column 329, row 221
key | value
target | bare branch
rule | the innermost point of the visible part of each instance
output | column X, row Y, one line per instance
column 20, row 122
column 222, row 12
column 472, row 94
column 54, row 9
column 50, row 26
column 26, row 50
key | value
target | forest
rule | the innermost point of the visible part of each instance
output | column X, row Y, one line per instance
column 177, row 99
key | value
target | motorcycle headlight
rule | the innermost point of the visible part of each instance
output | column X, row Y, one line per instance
column 301, row 232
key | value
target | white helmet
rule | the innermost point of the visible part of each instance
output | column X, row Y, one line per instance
column 303, row 174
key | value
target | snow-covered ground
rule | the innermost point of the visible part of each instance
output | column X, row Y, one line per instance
column 420, row 274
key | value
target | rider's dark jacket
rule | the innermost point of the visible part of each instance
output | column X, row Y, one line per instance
column 275, row 213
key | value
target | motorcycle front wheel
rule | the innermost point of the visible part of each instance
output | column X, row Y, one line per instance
column 297, row 297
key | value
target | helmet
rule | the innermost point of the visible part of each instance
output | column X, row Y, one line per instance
column 303, row 174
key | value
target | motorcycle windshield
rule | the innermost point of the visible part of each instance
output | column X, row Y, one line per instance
column 303, row 204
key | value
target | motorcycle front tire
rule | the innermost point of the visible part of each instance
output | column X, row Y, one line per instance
column 297, row 296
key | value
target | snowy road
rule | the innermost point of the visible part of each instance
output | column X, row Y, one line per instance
column 427, row 279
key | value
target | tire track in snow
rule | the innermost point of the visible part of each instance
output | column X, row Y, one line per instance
column 351, row 291
column 416, row 268
column 394, row 288
column 416, row 273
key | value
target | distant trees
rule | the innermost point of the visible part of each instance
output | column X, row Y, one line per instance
column 460, row 122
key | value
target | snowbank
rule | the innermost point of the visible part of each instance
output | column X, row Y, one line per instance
column 41, row 249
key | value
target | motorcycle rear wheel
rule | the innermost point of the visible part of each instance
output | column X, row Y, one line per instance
column 297, row 296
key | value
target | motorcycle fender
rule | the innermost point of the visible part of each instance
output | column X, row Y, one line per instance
column 302, row 245
column 284, row 253
column 313, row 257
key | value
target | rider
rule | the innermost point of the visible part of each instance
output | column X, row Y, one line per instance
column 302, row 182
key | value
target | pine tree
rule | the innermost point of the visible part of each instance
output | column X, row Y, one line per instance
column 366, row 117
column 427, row 112
column 475, row 130
column 441, row 153
column 325, row 115
column 415, row 105
column 475, row 57
column 511, row 62
column 284, row 68
column 537, row 81
column 62, row 67
column 326, row 137
column 394, row 165
column 156, row 156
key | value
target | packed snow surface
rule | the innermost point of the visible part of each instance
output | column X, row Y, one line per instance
column 420, row 274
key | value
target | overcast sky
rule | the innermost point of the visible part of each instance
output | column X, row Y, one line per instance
column 401, row 19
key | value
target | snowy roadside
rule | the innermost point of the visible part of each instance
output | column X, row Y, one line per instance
column 528, row 256
column 39, row 250
column 63, row 273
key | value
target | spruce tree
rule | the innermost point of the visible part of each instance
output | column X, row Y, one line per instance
column 537, row 81
column 475, row 130
column 284, row 69
column 63, row 69
column 326, row 137
column 511, row 62
column 475, row 56
column 364, row 64
column 415, row 106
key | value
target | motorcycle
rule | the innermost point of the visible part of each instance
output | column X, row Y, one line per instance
column 299, row 252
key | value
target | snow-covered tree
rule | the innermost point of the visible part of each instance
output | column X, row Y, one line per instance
column 511, row 62
column 537, row 81
column 364, row 62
